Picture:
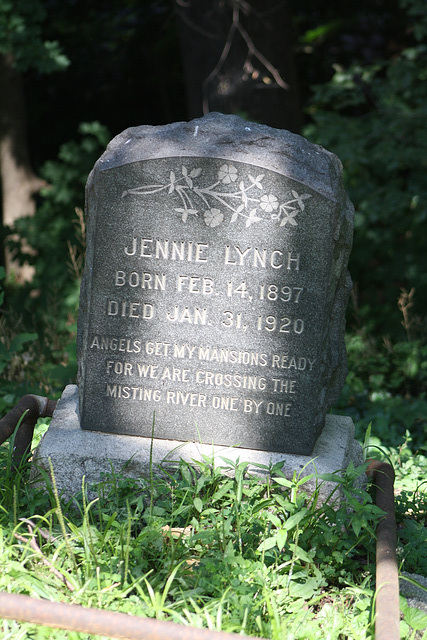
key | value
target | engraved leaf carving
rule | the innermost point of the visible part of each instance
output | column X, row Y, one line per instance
column 252, row 218
column 144, row 190
column 194, row 173
column 185, row 213
column 187, row 178
column 290, row 217
column 172, row 179
column 236, row 213
column 256, row 181
column 290, row 220
column 300, row 198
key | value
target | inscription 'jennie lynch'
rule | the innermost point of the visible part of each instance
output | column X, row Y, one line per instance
column 215, row 286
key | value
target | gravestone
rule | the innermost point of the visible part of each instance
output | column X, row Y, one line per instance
column 211, row 309
column 215, row 286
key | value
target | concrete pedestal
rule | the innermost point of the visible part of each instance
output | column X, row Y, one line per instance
column 75, row 453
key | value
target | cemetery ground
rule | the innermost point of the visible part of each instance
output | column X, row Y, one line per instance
column 200, row 548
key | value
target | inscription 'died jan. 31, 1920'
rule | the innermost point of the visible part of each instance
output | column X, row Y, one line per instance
column 207, row 304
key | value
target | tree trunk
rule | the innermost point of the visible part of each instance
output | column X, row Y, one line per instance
column 238, row 58
column 19, row 183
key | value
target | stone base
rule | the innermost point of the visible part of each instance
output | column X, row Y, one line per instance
column 75, row 453
column 417, row 596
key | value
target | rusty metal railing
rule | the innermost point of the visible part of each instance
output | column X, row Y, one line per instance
column 387, row 608
column 73, row 617
column 30, row 408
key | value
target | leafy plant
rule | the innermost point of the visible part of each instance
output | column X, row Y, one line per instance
column 373, row 118
column 21, row 35
column 37, row 347
column 55, row 232
column 386, row 386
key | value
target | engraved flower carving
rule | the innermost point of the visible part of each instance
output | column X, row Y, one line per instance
column 269, row 203
column 242, row 201
column 227, row 174
column 213, row 217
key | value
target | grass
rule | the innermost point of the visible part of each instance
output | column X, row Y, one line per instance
column 203, row 549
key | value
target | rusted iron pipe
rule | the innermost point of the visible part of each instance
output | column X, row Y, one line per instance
column 387, row 608
column 34, row 407
column 73, row 617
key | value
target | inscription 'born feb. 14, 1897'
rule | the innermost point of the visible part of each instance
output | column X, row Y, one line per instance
column 207, row 301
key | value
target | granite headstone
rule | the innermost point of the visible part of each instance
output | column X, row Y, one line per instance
column 215, row 285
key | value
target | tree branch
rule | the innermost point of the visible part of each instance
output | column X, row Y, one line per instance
column 236, row 25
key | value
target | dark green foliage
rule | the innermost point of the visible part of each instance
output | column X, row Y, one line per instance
column 386, row 386
column 54, row 232
column 38, row 324
column 374, row 118
column 21, row 35
column 413, row 538
column 124, row 71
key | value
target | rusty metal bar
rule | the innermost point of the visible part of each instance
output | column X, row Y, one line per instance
column 31, row 408
column 73, row 617
column 387, row 608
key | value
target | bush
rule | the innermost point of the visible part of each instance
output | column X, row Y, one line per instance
column 374, row 119
column 38, row 323
column 386, row 387
column 55, row 234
